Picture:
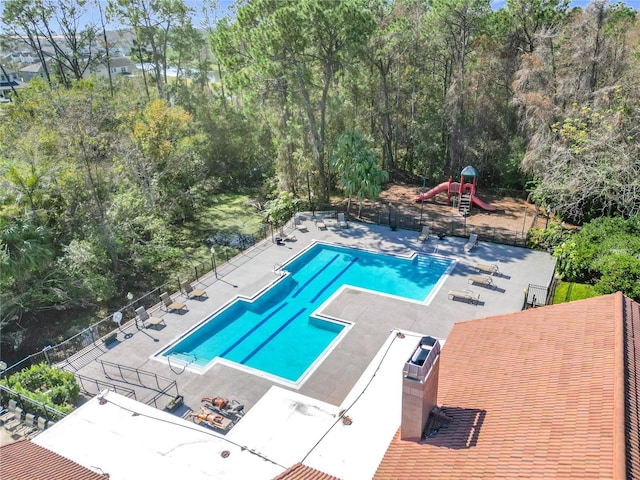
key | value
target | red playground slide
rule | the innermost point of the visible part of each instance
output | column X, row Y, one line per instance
column 433, row 192
column 481, row 204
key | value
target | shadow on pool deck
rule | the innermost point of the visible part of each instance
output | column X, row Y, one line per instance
column 373, row 316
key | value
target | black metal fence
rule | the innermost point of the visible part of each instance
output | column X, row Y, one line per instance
column 164, row 388
column 537, row 296
column 454, row 225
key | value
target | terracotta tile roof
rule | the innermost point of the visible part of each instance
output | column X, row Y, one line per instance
column 535, row 394
column 17, row 463
column 302, row 472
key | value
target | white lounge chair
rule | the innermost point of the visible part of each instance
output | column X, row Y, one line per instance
column 148, row 321
column 424, row 235
column 41, row 425
column 488, row 269
column 192, row 292
column 299, row 225
column 481, row 280
column 10, row 414
column 171, row 305
column 28, row 426
column 469, row 295
column 320, row 224
column 14, row 423
column 471, row 243
column 342, row 223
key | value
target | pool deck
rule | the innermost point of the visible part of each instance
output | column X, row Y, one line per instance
column 373, row 316
column 361, row 377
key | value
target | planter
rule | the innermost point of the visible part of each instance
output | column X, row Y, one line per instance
column 111, row 338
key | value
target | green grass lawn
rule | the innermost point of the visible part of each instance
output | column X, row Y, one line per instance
column 569, row 291
column 230, row 213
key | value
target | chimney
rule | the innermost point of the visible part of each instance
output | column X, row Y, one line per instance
column 419, row 388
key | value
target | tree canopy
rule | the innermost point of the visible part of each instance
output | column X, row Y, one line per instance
column 99, row 175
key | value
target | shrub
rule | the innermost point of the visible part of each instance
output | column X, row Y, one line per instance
column 605, row 253
column 546, row 238
column 53, row 387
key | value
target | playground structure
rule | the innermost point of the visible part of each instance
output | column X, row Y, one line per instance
column 462, row 193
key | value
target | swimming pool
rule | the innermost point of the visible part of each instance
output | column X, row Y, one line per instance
column 277, row 332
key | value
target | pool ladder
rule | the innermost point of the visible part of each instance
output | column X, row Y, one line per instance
column 277, row 269
column 186, row 364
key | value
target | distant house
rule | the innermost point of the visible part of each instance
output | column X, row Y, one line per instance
column 118, row 65
column 20, row 58
column 9, row 81
column 32, row 71
column 8, row 77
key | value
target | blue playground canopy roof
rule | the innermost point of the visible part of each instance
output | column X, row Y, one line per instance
column 469, row 171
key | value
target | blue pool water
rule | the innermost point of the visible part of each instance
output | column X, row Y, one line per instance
column 276, row 332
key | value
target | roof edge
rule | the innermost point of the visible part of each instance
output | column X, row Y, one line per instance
column 619, row 438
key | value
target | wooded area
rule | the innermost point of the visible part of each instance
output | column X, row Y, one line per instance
column 316, row 97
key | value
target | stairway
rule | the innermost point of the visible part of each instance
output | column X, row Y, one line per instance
column 464, row 206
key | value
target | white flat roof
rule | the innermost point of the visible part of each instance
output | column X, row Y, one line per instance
column 130, row 440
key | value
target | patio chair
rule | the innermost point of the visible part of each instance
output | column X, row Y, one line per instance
column 171, row 305
column 28, row 426
column 481, row 280
column 192, row 292
column 471, row 243
column 148, row 321
column 468, row 295
column 342, row 223
column 10, row 414
column 11, row 425
column 424, row 235
column 488, row 269
column 320, row 225
column 41, row 426
column 299, row 225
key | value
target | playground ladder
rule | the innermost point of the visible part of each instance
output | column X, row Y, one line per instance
column 464, row 205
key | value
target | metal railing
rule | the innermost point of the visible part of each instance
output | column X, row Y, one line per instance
column 135, row 376
column 100, row 385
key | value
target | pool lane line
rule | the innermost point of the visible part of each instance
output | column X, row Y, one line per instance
column 273, row 335
column 342, row 272
column 325, row 266
column 253, row 329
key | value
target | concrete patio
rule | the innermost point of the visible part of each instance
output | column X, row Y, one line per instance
column 373, row 316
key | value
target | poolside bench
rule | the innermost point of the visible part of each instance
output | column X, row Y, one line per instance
column 469, row 295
